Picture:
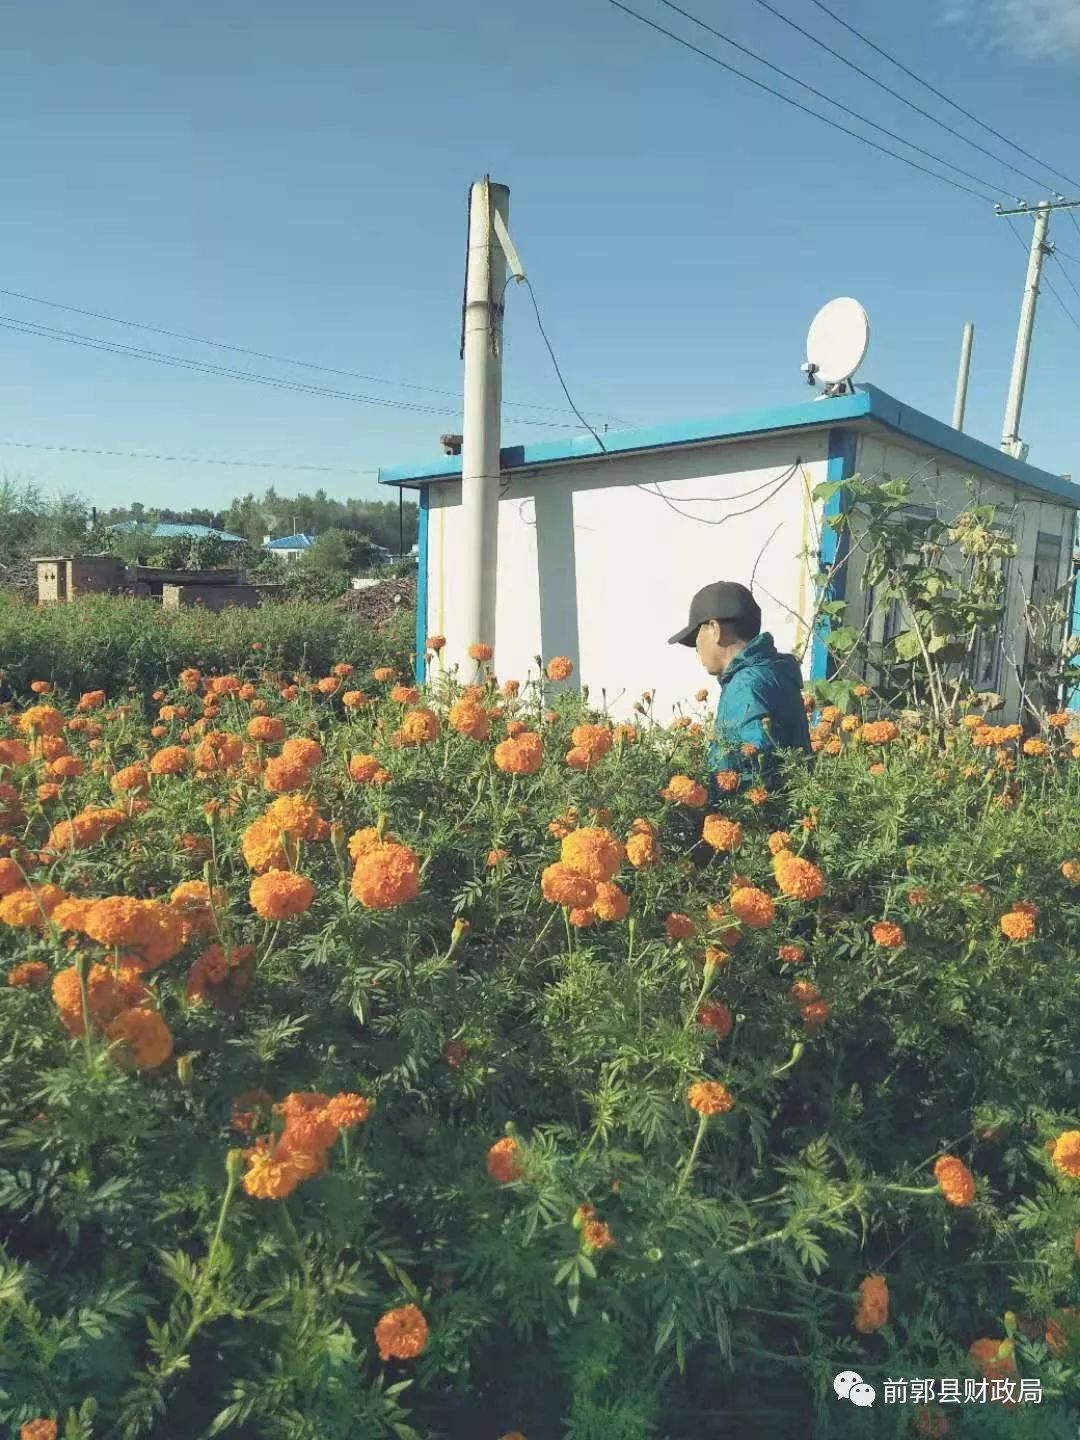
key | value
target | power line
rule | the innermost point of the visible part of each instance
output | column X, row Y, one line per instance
column 202, row 367
column 187, row 459
column 828, row 99
column 259, row 354
column 896, row 94
column 805, row 109
column 947, row 99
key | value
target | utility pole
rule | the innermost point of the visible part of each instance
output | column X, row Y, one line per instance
column 489, row 251
column 960, row 404
column 1040, row 248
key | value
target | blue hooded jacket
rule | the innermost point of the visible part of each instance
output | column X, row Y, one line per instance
column 761, row 704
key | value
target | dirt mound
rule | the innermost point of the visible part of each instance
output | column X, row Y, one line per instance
column 379, row 603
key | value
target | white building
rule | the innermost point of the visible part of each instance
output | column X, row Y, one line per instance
column 600, row 553
column 289, row 547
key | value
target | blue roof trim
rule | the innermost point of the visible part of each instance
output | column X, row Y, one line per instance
column 867, row 404
column 290, row 542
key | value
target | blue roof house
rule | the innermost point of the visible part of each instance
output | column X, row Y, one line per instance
column 288, row 547
column 600, row 549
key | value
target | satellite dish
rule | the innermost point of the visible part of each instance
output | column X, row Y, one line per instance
column 837, row 342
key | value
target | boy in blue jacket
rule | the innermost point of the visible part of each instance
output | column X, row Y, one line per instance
column 761, row 702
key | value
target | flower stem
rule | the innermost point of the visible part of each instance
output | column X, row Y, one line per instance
column 703, row 1125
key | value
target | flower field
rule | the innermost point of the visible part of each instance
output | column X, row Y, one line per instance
column 422, row 1064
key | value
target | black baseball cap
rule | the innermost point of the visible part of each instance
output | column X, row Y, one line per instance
column 723, row 600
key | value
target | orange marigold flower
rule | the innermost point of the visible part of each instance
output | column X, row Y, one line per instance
column 1036, row 747
column 12, row 753
column 480, row 653
column 11, row 877
column 987, row 1357
column 27, row 908
column 791, row 954
column 271, row 1174
column 100, row 991
column 327, row 685
column 40, row 687
column 469, row 718
column 132, row 779
column 919, row 896
column 42, row 1429
column 1071, row 870
column 596, row 1236
column 496, row 857
column 714, row 1015
column 402, row 1334
column 678, row 927
column 283, row 776
column 265, row 846
column 1062, row 1331
column 266, row 729
column 302, row 751
column 418, row 727
column 436, row 643
column 709, row 1097
column 354, row 700
column 560, row 668
column 280, row 894
column 1017, row 925
column 563, row 886
column 593, row 852
column 804, row 992
column 955, row 1180
column 71, row 913
column 872, row 1307
column 522, row 754
column 387, row 875
column 727, row 781
column 346, row 1110
column 682, row 790
column 721, row 833
column 41, row 720
column 796, row 877
column 779, row 840
column 144, row 1039
column 815, row 1013
column 405, row 694
column 29, row 975
column 361, row 842
column 218, row 750
column 753, row 907
column 611, row 903
column 502, row 1163
column 594, row 740
column 879, row 732
column 66, row 767
column 1066, row 1153
column 362, row 768
column 887, row 934
column 642, row 851
column 221, row 976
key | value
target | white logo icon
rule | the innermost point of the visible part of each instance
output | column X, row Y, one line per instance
column 849, row 1385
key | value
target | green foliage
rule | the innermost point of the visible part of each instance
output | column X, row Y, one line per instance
column 112, row 643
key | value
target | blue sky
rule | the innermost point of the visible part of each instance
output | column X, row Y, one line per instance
column 294, row 179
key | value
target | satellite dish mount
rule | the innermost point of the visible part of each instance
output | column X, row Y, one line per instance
column 836, row 346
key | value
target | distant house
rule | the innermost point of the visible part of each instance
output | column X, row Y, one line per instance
column 288, row 547
column 169, row 530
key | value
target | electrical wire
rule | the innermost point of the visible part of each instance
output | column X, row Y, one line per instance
column 202, row 367
column 805, row 109
column 896, row 94
column 187, row 459
column 828, row 99
column 258, row 354
column 776, row 483
column 942, row 96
